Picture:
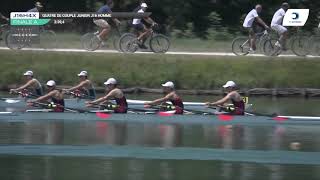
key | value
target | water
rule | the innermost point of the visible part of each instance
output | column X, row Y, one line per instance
column 78, row 138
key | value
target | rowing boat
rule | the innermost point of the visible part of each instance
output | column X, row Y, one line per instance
column 153, row 117
column 18, row 104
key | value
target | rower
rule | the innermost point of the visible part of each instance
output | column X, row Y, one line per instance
column 172, row 96
column 32, row 85
column 112, row 93
column 56, row 96
column 233, row 96
column 84, row 88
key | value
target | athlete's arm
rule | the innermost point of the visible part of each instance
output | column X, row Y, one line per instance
column 80, row 85
column 28, row 84
column 111, row 95
column 45, row 97
column 149, row 20
column 160, row 100
column 221, row 101
column 260, row 21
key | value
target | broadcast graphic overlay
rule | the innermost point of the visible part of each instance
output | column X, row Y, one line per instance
column 26, row 27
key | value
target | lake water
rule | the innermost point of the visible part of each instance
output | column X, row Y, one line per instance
column 76, row 160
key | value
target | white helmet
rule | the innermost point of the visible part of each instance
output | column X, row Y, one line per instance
column 51, row 83
column 110, row 81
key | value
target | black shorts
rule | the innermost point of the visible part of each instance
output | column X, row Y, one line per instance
column 138, row 27
column 250, row 31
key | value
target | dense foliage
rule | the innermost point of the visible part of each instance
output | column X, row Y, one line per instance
column 181, row 18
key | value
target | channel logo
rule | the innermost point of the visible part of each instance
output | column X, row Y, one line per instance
column 296, row 17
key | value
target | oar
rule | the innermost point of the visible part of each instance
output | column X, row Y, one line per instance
column 10, row 101
column 82, row 96
column 65, row 108
column 114, row 106
column 158, row 107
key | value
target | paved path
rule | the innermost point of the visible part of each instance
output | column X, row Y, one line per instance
column 170, row 52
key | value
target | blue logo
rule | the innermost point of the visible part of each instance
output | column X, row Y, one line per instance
column 295, row 15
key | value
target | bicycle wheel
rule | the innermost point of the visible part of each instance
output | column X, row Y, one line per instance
column 159, row 43
column 90, row 42
column 48, row 39
column 116, row 39
column 270, row 48
column 13, row 42
column 261, row 42
column 314, row 45
column 300, row 45
column 240, row 46
column 128, row 43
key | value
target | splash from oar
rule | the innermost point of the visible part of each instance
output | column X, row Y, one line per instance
column 225, row 117
column 165, row 114
column 103, row 115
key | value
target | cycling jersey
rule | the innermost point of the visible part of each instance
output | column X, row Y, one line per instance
column 250, row 18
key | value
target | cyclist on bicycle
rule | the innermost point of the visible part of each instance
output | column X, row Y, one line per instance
column 38, row 7
column 276, row 24
column 141, row 29
column 106, row 28
column 4, row 18
column 250, row 23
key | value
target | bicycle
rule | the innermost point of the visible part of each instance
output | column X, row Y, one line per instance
column 91, row 42
column 4, row 30
column 241, row 45
column 158, row 43
column 299, row 44
column 48, row 40
column 314, row 43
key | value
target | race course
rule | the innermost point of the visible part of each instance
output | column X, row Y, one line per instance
column 140, row 52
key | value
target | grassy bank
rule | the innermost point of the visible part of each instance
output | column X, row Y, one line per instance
column 189, row 72
column 72, row 40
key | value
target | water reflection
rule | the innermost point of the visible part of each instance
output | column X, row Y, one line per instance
column 155, row 135
column 53, row 168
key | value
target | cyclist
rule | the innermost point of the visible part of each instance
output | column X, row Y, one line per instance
column 38, row 7
column 4, row 18
column 106, row 28
column 141, row 29
column 250, row 24
column 276, row 24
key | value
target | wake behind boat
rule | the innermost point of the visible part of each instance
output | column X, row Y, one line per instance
column 156, row 117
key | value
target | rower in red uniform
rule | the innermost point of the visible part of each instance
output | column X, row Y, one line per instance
column 55, row 96
column 113, row 93
column 233, row 96
column 172, row 96
column 85, row 88
column 32, row 85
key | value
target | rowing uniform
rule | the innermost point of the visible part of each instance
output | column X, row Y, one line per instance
column 122, row 105
column 36, row 89
column 239, row 107
column 90, row 92
column 59, row 104
column 178, row 104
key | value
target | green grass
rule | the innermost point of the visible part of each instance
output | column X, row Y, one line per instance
column 72, row 40
column 150, row 70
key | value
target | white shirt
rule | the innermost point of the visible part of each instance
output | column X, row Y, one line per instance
column 250, row 18
column 137, row 21
column 278, row 17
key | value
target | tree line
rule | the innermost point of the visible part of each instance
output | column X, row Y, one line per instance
column 197, row 18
